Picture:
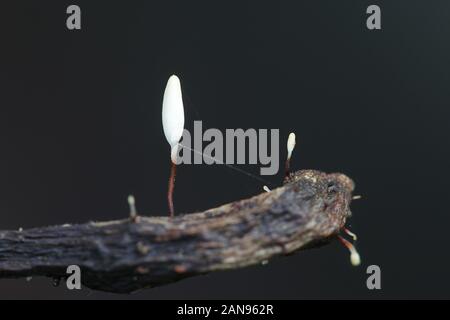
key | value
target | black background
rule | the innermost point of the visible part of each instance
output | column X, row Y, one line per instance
column 80, row 123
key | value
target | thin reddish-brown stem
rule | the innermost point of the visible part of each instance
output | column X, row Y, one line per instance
column 173, row 171
column 287, row 167
column 345, row 242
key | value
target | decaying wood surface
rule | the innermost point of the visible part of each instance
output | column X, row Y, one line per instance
column 123, row 256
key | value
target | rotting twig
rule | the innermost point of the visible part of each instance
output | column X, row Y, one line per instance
column 123, row 256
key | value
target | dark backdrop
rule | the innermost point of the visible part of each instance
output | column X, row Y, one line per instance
column 80, row 123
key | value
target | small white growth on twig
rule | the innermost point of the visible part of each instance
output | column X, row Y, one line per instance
column 351, row 234
column 132, row 205
column 290, row 148
column 355, row 259
column 290, row 145
column 173, row 125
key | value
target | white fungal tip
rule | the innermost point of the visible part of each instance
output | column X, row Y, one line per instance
column 266, row 189
column 354, row 236
column 351, row 234
column 173, row 111
column 290, row 144
column 131, row 200
column 355, row 259
column 132, row 205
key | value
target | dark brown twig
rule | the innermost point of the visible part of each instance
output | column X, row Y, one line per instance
column 122, row 256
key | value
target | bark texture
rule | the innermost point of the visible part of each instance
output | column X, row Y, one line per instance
column 123, row 256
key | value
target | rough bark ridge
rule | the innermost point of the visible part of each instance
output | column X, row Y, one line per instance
column 124, row 256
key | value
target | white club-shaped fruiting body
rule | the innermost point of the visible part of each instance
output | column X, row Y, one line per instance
column 173, row 114
column 290, row 144
column 355, row 259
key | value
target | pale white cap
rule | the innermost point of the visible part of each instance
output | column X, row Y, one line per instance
column 173, row 113
column 131, row 200
column 355, row 259
column 290, row 144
